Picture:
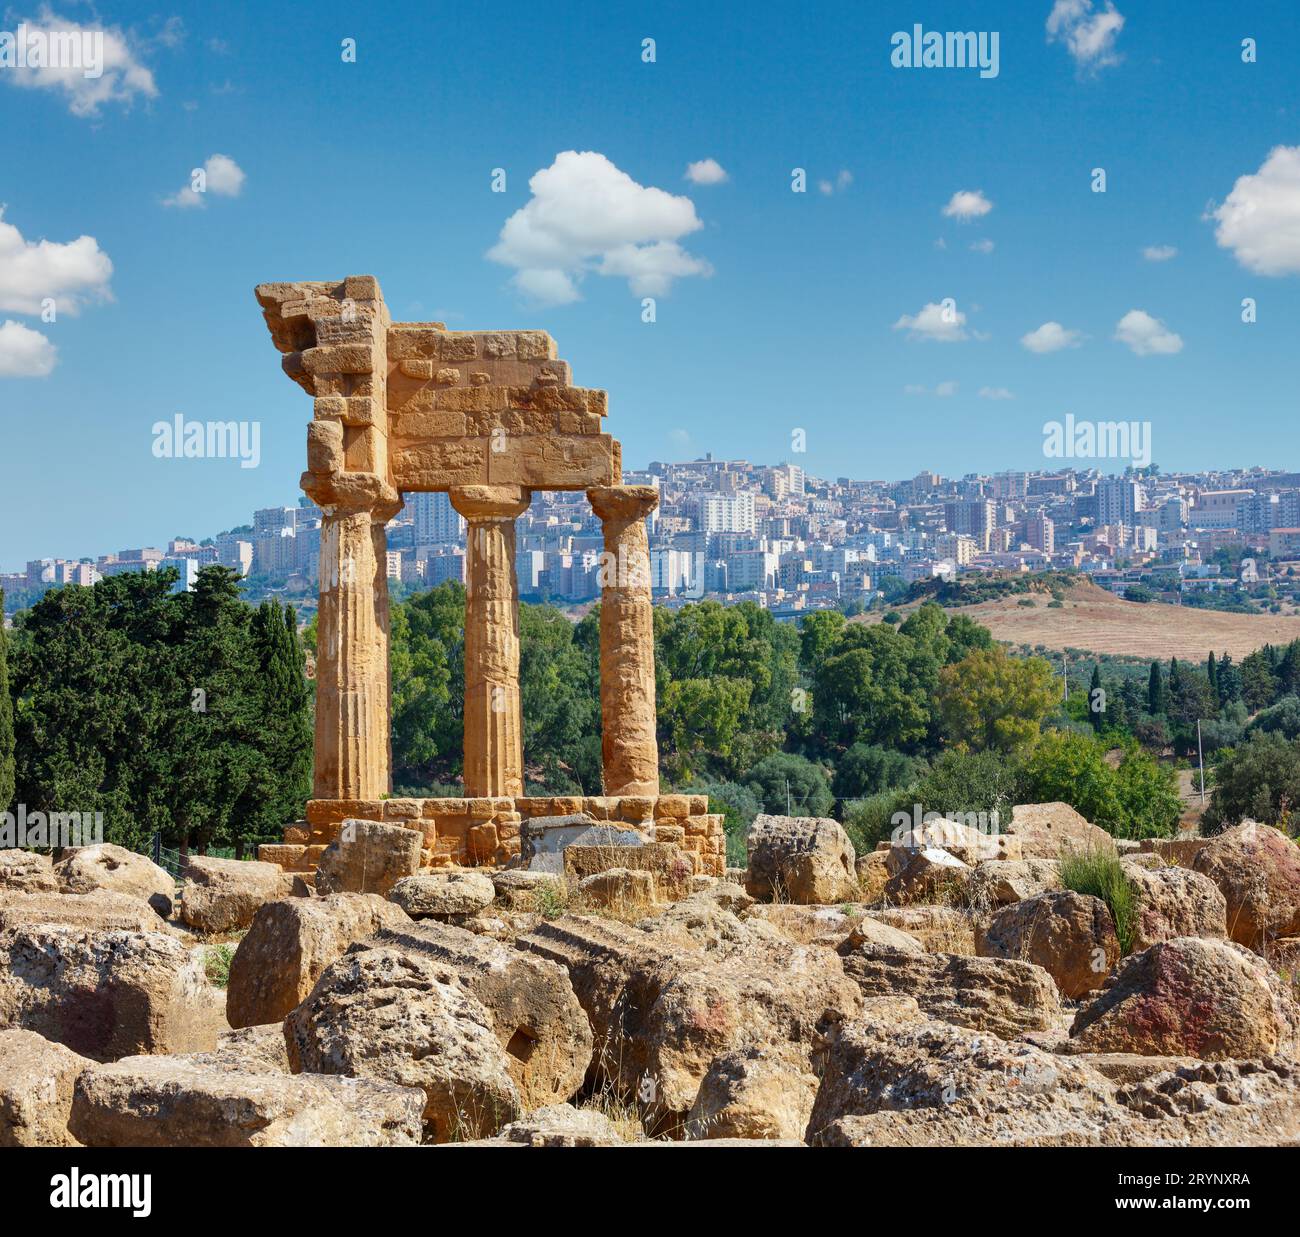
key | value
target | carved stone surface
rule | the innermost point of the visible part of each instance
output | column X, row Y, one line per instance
column 494, row 748
column 629, row 751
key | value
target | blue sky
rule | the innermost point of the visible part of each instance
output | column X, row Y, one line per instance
column 385, row 166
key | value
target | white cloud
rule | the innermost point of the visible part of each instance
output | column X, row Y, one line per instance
column 1260, row 220
column 982, row 246
column 1159, row 253
column 967, row 204
column 585, row 215
column 223, row 176
column 1051, row 337
column 943, row 389
column 1147, row 336
column 24, row 353
column 121, row 78
column 935, row 322
column 706, row 172
column 1089, row 34
column 30, row 271
column 843, row 179
column 995, row 393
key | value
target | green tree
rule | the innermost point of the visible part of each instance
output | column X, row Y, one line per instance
column 6, row 719
column 867, row 770
column 1071, row 768
column 1155, row 691
column 1149, row 804
column 281, row 785
column 1097, row 716
column 1260, row 780
column 97, row 697
column 427, row 660
column 989, row 701
column 786, row 783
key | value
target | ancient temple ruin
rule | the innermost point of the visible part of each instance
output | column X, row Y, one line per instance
column 488, row 417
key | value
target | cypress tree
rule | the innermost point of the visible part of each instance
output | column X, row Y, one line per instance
column 1212, row 669
column 284, row 726
column 1155, row 691
column 6, row 719
column 1096, row 695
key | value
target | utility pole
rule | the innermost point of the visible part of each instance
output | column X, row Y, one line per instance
column 1200, row 756
column 1065, row 677
column 787, row 796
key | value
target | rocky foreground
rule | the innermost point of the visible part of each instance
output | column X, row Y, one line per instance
column 945, row 990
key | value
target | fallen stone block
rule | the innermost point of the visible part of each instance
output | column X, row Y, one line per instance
column 368, row 857
column 438, row 895
column 535, row 1013
column 289, row 945
column 175, row 1102
column 36, row 1080
column 223, row 895
column 392, row 1015
column 107, row 994
column 118, row 870
column 805, row 859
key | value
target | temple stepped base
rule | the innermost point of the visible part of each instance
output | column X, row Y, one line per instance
column 485, row 832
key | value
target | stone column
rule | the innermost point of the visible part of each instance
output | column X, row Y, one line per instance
column 353, row 739
column 494, row 748
column 629, row 749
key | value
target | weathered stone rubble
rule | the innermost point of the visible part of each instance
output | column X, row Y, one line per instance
column 290, row 944
column 800, row 859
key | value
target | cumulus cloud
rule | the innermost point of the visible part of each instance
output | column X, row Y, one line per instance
column 934, row 322
column 1159, row 253
column 1147, row 336
column 706, row 172
column 121, row 77
column 1051, row 337
column 995, row 393
column 843, row 179
column 967, row 204
column 221, row 175
column 1260, row 220
column 30, row 271
column 982, row 246
column 24, row 353
column 1089, row 34
column 584, row 216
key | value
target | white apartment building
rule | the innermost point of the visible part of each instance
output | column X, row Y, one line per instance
column 725, row 513
column 437, row 522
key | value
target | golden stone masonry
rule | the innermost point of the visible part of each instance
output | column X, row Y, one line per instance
column 488, row 417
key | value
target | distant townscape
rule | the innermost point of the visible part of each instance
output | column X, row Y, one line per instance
column 737, row 531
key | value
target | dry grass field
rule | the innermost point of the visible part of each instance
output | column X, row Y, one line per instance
column 1100, row 622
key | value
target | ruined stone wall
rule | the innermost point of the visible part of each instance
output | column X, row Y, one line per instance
column 485, row 832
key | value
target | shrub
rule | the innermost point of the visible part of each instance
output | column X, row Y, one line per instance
column 787, row 783
column 1101, row 874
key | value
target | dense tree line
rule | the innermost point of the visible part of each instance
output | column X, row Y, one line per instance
column 190, row 714
column 833, row 715
column 187, row 714
column 6, row 720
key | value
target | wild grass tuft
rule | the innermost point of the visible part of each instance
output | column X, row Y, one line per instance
column 1101, row 874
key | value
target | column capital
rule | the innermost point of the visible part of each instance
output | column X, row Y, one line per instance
column 623, row 503
column 490, row 502
column 350, row 493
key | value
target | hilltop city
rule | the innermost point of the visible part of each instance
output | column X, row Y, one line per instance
column 791, row 542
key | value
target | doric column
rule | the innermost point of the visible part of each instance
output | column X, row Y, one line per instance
column 629, row 751
column 353, row 740
column 494, row 748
